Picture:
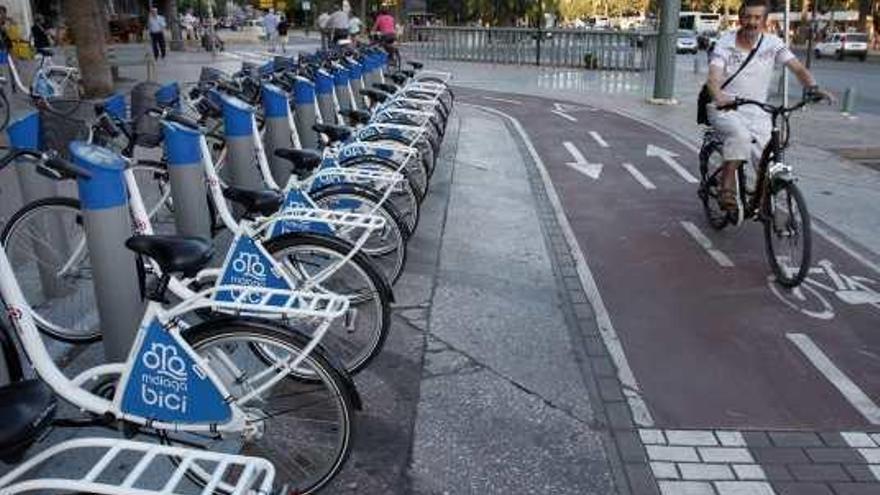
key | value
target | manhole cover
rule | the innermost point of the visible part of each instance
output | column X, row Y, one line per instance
column 869, row 157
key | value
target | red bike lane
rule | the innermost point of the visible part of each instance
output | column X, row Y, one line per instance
column 712, row 342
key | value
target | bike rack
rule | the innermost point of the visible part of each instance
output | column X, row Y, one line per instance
column 252, row 475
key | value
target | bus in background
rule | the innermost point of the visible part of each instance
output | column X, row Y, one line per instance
column 699, row 22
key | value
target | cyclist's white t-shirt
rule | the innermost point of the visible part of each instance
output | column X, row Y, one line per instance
column 754, row 81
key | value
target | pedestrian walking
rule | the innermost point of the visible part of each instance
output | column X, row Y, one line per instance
column 322, row 22
column 40, row 36
column 355, row 26
column 156, row 27
column 283, row 27
column 338, row 24
column 270, row 24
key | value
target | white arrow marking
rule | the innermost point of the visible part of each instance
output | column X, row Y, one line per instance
column 564, row 115
column 596, row 137
column 502, row 100
column 592, row 170
column 668, row 158
column 647, row 184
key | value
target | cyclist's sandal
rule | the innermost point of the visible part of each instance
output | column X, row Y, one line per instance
column 727, row 199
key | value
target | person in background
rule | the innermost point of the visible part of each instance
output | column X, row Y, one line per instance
column 270, row 24
column 283, row 27
column 40, row 36
column 189, row 22
column 338, row 24
column 156, row 28
column 355, row 26
column 385, row 27
column 323, row 21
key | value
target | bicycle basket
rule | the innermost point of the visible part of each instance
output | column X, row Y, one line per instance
column 147, row 128
column 57, row 131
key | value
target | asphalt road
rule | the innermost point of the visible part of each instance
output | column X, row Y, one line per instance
column 711, row 341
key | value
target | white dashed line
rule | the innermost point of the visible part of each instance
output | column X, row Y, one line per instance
column 851, row 392
column 596, row 137
column 502, row 100
column 564, row 115
column 647, row 184
column 706, row 244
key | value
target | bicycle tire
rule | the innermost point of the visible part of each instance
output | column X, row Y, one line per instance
column 788, row 276
column 386, row 247
column 370, row 295
column 710, row 159
column 226, row 340
column 4, row 111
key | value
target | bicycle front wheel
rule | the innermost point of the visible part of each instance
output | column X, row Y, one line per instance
column 303, row 427
column 711, row 162
column 787, row 235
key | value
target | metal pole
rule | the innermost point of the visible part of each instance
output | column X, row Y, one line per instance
column 812, row 32
column 664, row 77
column 188, row 191
column 238, row 129
column 540, row 34
column 276, row 108
column 52, row 248
column 324, row 89
column 104, row 202
column 785, row 26
column 305, row 116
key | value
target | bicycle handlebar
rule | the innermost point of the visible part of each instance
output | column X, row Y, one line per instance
column 50, row 165
column 773, row 109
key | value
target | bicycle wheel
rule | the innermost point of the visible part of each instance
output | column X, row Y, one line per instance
column 46, row 242
column 155, row 189
column 386, row 247
column 787, row 235
column 4, row 111
column 303, row 427
column 711, row 161
column 360, row 335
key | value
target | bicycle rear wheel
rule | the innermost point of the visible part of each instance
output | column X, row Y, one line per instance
column 303, row 427
column 787, row 235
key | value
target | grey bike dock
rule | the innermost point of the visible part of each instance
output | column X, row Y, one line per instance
column 238, row 130
column 114, row 268
column 324, row 92
column 278, row 134
column 187, row 175
column 305, row 115
column 343, row 90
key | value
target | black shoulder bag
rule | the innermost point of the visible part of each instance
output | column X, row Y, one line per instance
column 706, row 97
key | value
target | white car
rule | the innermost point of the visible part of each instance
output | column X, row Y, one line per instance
column 686, row 42
column 842, row 44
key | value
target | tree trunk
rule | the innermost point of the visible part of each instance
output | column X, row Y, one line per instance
column 864, row 11
column 169, row 10
column 91, row 46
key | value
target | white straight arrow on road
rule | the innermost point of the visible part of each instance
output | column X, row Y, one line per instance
column 668, row 157
column 591, row 170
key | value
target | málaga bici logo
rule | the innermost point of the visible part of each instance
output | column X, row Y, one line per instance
column 164, row 383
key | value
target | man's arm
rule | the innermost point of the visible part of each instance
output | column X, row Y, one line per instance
column 806, row 78
column 713, row 82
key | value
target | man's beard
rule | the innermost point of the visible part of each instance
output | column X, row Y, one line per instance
column 751, row 34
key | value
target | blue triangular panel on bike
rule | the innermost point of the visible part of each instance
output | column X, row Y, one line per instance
column 167, row 385
column 249, row 264
column 296, row 199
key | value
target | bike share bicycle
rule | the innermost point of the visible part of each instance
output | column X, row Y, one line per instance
column 770, row 197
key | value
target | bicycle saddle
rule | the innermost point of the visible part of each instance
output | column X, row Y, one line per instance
column 388, row 88
column 408, row 73
column 398, row 78
column 46, row 52
column 264, row 202
column 336, row 133
column 304, row 161
column 26, row 409
column 356, row 116
column 173, row 253
column 375, row 94
column 415, row 65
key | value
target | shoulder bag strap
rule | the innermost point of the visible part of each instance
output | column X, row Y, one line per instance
column 745, row 63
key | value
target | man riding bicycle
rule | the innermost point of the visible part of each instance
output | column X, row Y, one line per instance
column 741, row 65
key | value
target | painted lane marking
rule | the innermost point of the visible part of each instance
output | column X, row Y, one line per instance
column 706, row 244
column 632, row 391
column 843, row 247
column 838, row 378
column 502, row 100
column 564, row 115
column 591, row 170
column 647, row 184
column 596, row 137
column 668, row 158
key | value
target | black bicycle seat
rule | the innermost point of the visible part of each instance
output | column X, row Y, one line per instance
column 26, row 410
column 304, row 161
column 356, row 116
column 336, row 133
column 389, row 88
column 174, row 254
column 264, row 202
column 408, row 73
column 46, row 52
column 375, row 94
column 415, row 65
column 398, row 78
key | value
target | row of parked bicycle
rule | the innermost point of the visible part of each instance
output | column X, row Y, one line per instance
column 240, row 376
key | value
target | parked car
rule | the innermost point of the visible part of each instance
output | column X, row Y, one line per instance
column 686, row 42
column 842, row 44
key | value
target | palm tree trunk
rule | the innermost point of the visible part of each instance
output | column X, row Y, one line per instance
column 91, row 47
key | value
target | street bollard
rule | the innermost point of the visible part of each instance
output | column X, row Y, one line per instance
column 305, row 115
column 276, row 108
column 849, row 101
column 104, row 202
column 343, row 91
column 188, row 192
column 324, row 90
column 52, row 250
column 238, row 129
column 355, row 73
